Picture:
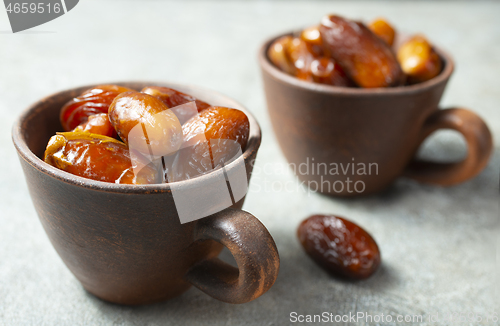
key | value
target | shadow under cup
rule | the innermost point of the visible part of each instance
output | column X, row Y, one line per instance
column 125, row 243
column 352, row 141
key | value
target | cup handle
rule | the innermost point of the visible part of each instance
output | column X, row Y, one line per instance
column 479, row 144
column 253, row 249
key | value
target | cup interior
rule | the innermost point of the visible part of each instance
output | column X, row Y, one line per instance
column 39, row 122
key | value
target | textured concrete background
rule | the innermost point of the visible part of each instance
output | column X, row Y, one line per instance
column 437, row 244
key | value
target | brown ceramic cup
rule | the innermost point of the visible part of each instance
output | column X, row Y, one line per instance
column 326, row 131
column 125, row 243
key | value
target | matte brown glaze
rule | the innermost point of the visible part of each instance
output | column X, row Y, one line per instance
column 383, row 125
column 125, row 243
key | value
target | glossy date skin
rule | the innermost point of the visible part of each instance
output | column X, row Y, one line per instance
column 278, row 53
column 365, row 58
column 98, row 124
column 312, row 37
column 383, row 30
column 218, row 123
column 339, row 246
column 173, row 98
column 211, row 140
column 302, row 58
column 344, row 53
column 151, row 134
column 96, row 157
column 93, row 101
column 419, row 60
column 325, row 70
column 159, row 130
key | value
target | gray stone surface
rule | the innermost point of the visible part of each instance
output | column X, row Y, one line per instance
column 437, row 243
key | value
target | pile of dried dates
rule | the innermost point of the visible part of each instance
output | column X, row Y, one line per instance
column 112, row 133
column 346, row 53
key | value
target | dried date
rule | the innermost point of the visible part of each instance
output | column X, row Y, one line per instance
column 93, row 101
column 326, row 71
column 383, row 30
column 339, row 246
column 365, row 58
column 96, row 157
column 278, row 53
column 312, row 37
column 173, row 98
column 98, row 124
column 159, row 131
column 211, row 140
column 419, row 60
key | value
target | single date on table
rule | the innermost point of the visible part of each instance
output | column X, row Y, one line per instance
column 32, row 7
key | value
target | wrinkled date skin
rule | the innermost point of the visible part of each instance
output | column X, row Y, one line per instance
column 173, row 98
column 96, row 157
column 419, row 60
column 98, row 124
column 383, row 30
column 211, row 139
column 339, row 246
column 93, row 101
column 160, row 130
column 365, row 58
